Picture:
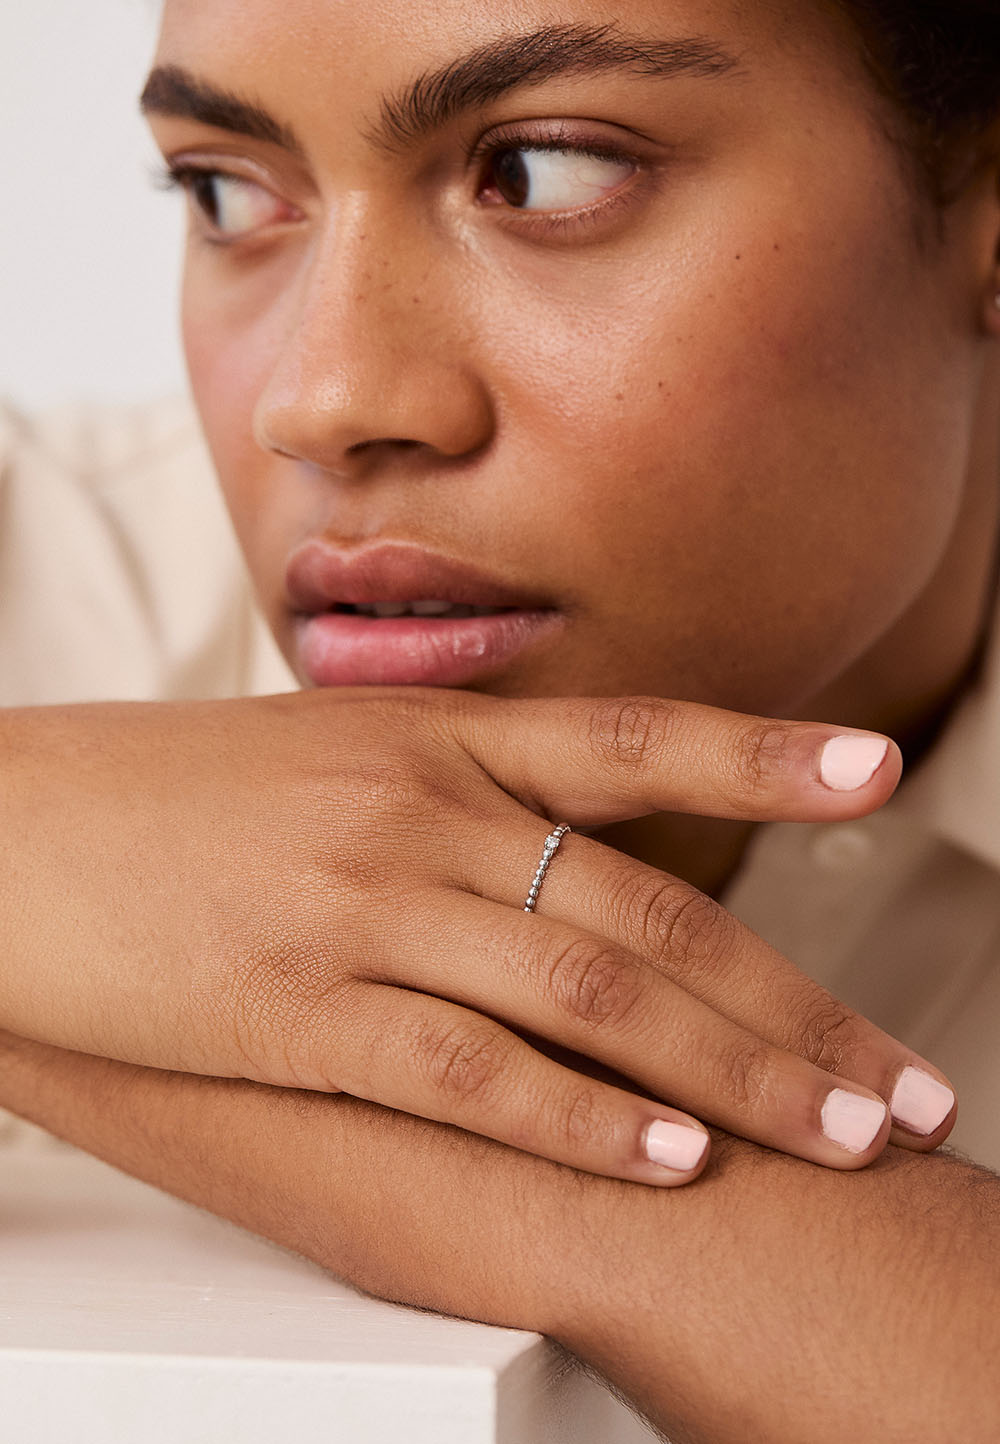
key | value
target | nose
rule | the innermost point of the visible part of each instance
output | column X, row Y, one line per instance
column 373, row 361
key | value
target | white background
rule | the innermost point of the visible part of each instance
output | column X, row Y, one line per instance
column 89, row 249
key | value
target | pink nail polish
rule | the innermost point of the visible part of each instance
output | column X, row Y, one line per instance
column 852, row 1121
column 920, row 1103
column 847, row 763
column 672, row 1145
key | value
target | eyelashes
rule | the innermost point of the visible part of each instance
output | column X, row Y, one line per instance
column 553, row 178
column 231, row 207
column 550, row 173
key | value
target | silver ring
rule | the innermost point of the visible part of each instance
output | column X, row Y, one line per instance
column 552, row 842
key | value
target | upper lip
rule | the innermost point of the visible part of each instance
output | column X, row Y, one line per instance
column 319, row 576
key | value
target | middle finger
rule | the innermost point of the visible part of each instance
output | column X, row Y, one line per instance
column 578, row 990
column 697, row 944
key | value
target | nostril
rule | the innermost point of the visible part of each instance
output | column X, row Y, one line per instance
column 391, row 443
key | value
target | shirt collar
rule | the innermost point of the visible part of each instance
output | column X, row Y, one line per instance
column 955, row 791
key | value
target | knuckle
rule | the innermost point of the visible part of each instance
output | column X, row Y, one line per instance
column 747, row 1078
column 461, row 1061
column 580, row 1122
column 248, row 1004
column 630, row 732
column 828, row 1034
column 396, row 790
column 401, row 805
column 759, row 754
column 646, row 908
column 279, row 1007
column 693, row 932
column 594, row 985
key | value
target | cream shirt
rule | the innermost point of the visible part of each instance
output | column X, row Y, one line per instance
column 120, row 578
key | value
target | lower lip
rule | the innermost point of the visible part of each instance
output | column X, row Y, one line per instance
column 342, row 649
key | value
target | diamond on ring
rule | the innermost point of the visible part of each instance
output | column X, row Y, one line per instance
column 551, row 848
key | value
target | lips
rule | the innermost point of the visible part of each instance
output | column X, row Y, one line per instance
column 320, row 577
column 338, row 647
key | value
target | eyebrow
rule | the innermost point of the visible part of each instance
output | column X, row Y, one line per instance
column 555, row 52
column 438, row 96
column 171, row 90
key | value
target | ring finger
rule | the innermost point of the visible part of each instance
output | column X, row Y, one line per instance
column 577, row 989
column 695, row 943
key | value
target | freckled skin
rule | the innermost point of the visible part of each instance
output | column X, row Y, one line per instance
column 744, row 431
column 729, row 432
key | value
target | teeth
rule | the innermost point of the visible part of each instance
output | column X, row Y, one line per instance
column 454, row 612
column 430, row 609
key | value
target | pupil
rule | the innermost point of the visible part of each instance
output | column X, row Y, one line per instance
column 207, row 197
column 511, row 175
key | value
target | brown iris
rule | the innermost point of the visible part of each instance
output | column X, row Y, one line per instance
column 510, row 176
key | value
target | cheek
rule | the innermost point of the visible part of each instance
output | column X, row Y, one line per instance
column 229, row 358
column 760, row 459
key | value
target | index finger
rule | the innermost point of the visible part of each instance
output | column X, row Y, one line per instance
column 592, row 761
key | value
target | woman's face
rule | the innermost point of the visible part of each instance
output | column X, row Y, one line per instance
column 627, row 309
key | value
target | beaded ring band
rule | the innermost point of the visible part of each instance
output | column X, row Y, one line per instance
column 552, row 842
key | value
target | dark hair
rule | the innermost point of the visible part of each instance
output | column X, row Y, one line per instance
column 939, row 61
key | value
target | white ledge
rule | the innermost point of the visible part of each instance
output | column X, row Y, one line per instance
column 126, row 1315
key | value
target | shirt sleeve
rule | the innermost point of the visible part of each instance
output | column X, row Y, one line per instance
column 120, row 577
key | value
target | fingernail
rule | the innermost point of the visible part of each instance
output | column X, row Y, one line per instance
column 847, row 763
column 852, row 1121
column 920, row 1103
column 672, row 1145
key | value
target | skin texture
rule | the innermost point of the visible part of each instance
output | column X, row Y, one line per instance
column 594, row 408
column 594, row 402
column 771, row 1303
column 290, row 965
column 373, row 938
column 589, row 402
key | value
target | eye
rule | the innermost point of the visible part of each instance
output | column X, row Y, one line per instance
column 233, row 205
column 544, row 178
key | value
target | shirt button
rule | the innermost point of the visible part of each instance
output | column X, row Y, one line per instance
column 843, row 848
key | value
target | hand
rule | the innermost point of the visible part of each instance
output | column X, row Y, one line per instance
column 873, row 1302
column 326, row 890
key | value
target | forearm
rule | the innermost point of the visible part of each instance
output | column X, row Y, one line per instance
column 773, row 1300
column 777, row 1303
